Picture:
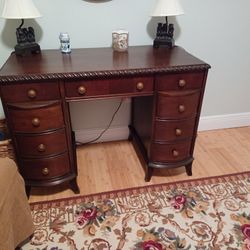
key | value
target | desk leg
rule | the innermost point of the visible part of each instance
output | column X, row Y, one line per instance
column 148, row 174
column 130, row 136
column 189, row 169
column 74, row 186
column 73, row 183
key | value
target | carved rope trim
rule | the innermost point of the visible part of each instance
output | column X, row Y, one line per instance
column 101, row 74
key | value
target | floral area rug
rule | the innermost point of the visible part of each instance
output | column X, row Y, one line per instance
column 204, row 214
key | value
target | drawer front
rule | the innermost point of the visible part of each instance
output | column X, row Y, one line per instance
column 92, row 88
column 42, row 144
column 33, row 119
column 179, row 81
column 45, row 168
column 167, row 130
column 31, row 92
column 170, row 153
column 177, row 104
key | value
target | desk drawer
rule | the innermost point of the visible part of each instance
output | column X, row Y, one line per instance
column 169, row 130
column 31, row 92
column 167, row 153
column 179, row 81
column 177, row 105
column 121, row 86
column 36, row 118
column 38, row 145
column 45, row 168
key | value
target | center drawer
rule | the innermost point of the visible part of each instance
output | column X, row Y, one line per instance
column 121, row 86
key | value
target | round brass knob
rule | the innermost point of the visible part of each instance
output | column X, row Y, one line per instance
column 41, row 147
column 181, row 108
column 175, row 153
column 31, row 93
column 45, row 171
column 140, row 86
column 82, row 90
column 178, row 132
column 35, row 122
column 182, row 83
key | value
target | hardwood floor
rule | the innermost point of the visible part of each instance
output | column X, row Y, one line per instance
column 115, row 165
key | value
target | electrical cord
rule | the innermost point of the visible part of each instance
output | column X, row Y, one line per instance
column 108, row 126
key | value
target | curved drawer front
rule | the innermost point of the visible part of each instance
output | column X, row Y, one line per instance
column 179, row 81
column 32, row 119
column 45, row 168
column 42, row 144
column 95, row 88
column 167, row 130
column 165, row 153
column 176, row 105
column 31, row 92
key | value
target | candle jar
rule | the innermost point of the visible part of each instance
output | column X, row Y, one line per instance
column 120, row 40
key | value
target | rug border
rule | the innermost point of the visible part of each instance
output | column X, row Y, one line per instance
column 221, row 178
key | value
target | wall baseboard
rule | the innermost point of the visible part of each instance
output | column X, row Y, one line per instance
column 224, row 121
column 112, row 134
column 206, row 123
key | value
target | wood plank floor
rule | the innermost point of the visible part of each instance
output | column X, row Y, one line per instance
column 115, row 165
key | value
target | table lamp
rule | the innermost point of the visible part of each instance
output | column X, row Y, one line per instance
column 165, row 31
column 22, row 9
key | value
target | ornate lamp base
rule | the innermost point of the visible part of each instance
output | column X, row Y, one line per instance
column 27, row 48
column 165, row 41
column 164, row 35
column 26, row 41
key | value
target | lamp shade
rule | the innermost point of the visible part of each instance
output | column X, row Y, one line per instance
column 19, row 9
column 167, row 8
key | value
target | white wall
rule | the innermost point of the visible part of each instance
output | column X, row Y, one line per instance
column 218, row 32
column 215, row 31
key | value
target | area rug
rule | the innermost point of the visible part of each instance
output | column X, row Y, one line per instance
column 209, row 213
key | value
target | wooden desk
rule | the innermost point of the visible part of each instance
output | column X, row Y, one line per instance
column 167, row 86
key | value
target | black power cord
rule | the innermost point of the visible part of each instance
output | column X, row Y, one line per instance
column 108, row 126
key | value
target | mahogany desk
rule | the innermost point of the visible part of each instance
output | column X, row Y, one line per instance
column 167, row 86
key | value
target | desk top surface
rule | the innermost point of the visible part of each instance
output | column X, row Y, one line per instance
column 98, row 62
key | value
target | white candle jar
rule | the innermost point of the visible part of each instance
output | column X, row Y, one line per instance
column 120, row 40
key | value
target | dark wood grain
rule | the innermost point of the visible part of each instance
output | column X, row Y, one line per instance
column 172, row 81
column 98, row 63
column 167, row 130
column 52, row 143
column 172, row 100
column 50, row 118
column 110, row 87
column 57, row 166
column 43, row 92
column 164, row 152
